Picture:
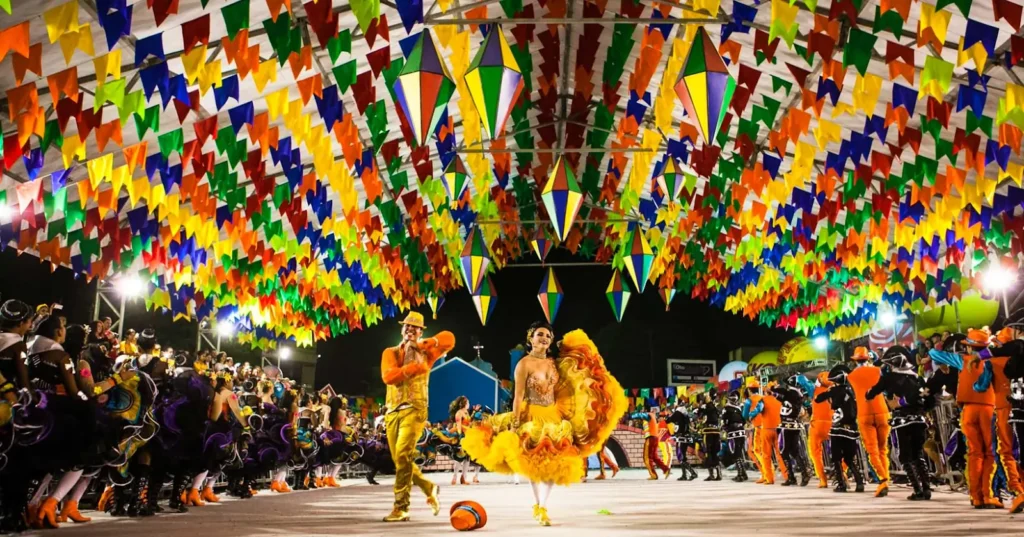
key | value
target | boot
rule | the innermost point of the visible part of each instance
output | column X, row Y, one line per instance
column 915, row 482
column 208, row 496
column 121, row 501
column 685, row 476
column 46, row 517
column 718, row 472
column 70, row 512
column 924, row 478
column 156, row 484
column 106, row 497
column 177, row 503
column 300, row 480
column 840, row 483
column 693, row 473
column 858, row 477
column 192, row 498
column 139, row 505
column 806, row 477
column 370, row 477
column 711, row 474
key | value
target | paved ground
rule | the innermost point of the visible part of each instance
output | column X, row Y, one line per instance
column 637, row 507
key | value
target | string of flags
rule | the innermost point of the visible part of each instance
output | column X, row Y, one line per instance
column 303, row 170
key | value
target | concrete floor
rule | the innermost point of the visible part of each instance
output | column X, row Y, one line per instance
column 636, row 507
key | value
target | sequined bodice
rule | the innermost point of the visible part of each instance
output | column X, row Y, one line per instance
column 540, row 387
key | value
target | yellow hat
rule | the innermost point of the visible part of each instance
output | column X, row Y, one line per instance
column 414, row 319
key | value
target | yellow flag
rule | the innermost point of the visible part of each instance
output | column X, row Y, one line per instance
column 61, row 20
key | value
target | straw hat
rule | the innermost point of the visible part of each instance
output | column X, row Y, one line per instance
column 414, row 319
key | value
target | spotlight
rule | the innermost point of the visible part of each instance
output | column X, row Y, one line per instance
column 225, row 329
column 998, row 278
column 887, row 318
column 131, row 286
column 284, row 353
column 821, row 343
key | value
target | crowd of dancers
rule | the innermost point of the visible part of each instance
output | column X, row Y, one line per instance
column 81, row 410
column 880, row 402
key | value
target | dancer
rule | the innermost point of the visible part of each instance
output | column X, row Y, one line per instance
column 770, row 436
column 872, row 416
column 459, row 413
column 685, row 440
column 904, row 390
column 406, row 371
column 977, row 409
column 792, row 395
column 1006, row 345
column 821, row 426
column 605, row 456
column 708, row 413
column 844, row 433
column 652, row 446
column 564, row 408
column 753, row 407
column 735, row 436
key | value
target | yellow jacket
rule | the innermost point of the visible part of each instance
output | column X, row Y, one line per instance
column 407, row 383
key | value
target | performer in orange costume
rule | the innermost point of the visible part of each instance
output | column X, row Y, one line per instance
column 652, row 448
column 872, row 417
column 821, row 426
column 406, row 370
column 977, row 401
column 770, row 437
column 753, row 407
column 1004, row 430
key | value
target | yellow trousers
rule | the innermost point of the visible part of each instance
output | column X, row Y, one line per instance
column 404, row 428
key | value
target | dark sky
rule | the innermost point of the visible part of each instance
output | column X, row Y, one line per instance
column 635, row 350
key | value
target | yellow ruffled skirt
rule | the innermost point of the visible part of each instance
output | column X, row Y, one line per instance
column 550, row 445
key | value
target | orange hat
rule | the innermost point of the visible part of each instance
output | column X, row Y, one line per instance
column 753, row 383
column 978, row 337
column 860, row 354
column 1005, row 335
column 468, row 515
column 823, row 379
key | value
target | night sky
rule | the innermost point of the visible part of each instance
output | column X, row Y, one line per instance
column 635, row 350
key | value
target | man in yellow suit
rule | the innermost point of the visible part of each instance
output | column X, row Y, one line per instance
column 406, row 371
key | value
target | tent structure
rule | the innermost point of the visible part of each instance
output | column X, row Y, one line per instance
column 452, row 377
column 287, row 167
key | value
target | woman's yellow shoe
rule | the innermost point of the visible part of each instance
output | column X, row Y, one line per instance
column 542, row 516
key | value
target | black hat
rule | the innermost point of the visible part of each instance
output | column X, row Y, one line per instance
column 15, row 311
column 838, row 374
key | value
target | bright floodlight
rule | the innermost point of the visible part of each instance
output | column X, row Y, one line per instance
column 998, row 278
column 821, row 343
column 225, row 329
column 887, row 318
column 5, row 214
column 285, row 353
column 131, row 286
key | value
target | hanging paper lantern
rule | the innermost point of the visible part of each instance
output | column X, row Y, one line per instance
column 671, row 180
column 542, row 244
column 423, row 88
column 486, row 301
column 550, row 295
column 454, row 178
column 475, row 259
column 494, row 81
column 435, row 302
column 639, row 258
column 618, row 294
column 562, row 198
column 705, row 86
column 667, row 295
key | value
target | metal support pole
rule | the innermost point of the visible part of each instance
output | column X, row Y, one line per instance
column 537, row 21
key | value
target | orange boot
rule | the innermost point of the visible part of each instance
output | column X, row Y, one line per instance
column 332, row 482
column 47, row 515
column 194, row 499
column 70, row 512
column 283, row 487
column 209, row 496
column 104, row 502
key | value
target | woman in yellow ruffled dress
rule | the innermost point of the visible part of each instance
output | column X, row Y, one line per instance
column 566, row 406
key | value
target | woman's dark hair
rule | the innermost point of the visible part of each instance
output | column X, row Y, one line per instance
column 51, row 326
column 287, row 400
column 220, row 384
column 552, row 351
column 335, row 405
column 74, row 340
column 457, row 405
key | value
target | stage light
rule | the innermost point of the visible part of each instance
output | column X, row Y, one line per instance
column 131, row 286
column 225, row 329
column 997, row 279
column 284, row 353
column 821, row 343
column 887, row 318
